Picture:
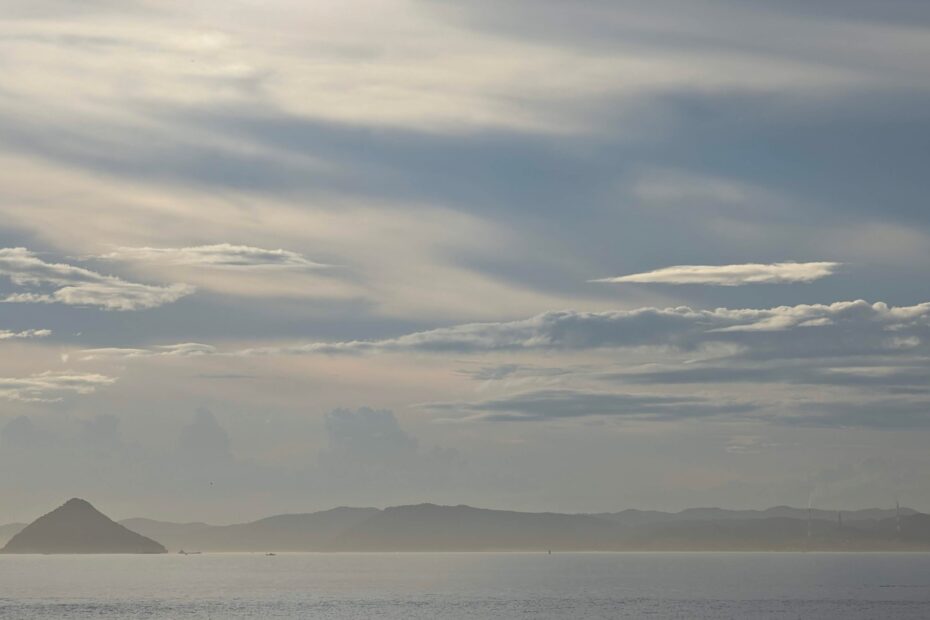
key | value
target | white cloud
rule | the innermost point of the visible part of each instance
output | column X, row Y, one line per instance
column 51, row 386
column 806, row 331
column 29, row 333
column 78, row 286
column 732, row 275
column 222, row 255
column 185, row 349
column 841, row 328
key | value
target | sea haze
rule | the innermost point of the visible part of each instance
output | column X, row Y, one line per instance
column 78, row 527
column 445, row 586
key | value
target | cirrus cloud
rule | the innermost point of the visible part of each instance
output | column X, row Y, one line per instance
column 731, row 275
column 184, row 349
column 221, row 255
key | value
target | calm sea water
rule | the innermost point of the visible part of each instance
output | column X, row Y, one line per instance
column 481, row 585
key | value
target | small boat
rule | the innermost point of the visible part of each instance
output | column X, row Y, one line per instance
column 183, row 552
column 271, row 554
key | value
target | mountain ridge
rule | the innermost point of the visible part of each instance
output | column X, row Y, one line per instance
column 433, row 527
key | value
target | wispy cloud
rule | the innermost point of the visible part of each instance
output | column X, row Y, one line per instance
column 824, row 330
column 499, row 372
column 859, row 373
column 731, row 275
column 222, row 255
column 554, row 404
column 185, row 349
column 77, row 286
column 841, row 329
column 29, row 333
column 566, row 404
column 51, row 386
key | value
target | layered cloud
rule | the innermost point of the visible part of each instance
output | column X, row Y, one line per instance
column 77, row 286
column 841, row 329
column 51, row 386
column 499, row 372
column 25, row 334
column 184, row 349
column 731, row 275
column 468, row 162
column 555, row 404
column 440, row 72
column 838, row 329
column 912, row 374
column 223, row 255
column 908, row 411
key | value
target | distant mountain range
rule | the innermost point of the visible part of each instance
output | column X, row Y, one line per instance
column 297, row 532
column 428, row 527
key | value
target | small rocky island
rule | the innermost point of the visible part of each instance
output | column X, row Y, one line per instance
column 78, row 527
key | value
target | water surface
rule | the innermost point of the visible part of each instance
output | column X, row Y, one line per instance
column 469, row 585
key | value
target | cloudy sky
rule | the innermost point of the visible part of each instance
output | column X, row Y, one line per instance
column 259, row 257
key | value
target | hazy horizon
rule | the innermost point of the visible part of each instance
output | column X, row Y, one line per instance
column 819, row 512
column 78, row 527
column 275, row 257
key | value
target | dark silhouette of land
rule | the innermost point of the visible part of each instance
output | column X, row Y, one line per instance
column 78, row 527
column 428, row 527
column 295, row 532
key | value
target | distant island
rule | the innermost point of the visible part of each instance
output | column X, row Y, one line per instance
column 77, row 527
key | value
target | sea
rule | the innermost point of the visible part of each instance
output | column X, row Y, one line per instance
column 440, row 586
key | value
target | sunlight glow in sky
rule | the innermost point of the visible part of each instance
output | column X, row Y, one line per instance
column 260, row 257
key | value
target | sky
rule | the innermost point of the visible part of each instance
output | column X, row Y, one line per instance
column 280, row 256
